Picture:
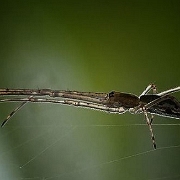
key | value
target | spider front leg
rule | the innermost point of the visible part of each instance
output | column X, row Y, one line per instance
column 14, row 112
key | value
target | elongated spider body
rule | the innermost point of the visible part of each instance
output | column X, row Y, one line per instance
column 162, row 104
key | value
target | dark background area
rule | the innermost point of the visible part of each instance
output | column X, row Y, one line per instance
column 88, row 46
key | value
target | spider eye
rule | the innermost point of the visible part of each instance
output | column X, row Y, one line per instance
column 111, row 94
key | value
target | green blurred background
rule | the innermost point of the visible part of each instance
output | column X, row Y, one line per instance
column 88, row 46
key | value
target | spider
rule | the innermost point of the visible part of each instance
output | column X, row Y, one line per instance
column 162, row 104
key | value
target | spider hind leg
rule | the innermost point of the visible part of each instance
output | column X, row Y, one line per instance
column 149, row 123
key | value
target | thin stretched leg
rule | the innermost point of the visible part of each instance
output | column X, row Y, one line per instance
column 149, row 122
column 170, row 91
column 154, row 89
column 13, row 112
column 148, row 88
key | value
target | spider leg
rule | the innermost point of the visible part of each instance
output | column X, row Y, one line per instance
column 169, row 91
column 152, row 118
column 162, row 96
column 149, row 122
column 14, row 112
column 148, row 88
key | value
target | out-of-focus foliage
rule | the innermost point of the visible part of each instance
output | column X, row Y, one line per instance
column 87, row 46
